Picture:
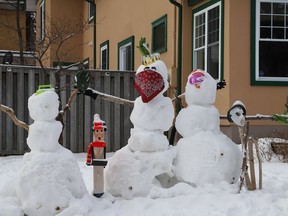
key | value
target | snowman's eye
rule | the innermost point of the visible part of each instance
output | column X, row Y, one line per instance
column 146, row 68
column 153, row 68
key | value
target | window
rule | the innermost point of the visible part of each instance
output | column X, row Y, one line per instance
column 126, row 54
column 42, row 20
column 270, row 41
column 86, row 63
column 207, row 37
column 104, row 55
column 159, row 35
column 91, row 8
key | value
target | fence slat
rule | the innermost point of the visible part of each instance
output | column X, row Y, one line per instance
column 116, row 114
column 1, row 114
column 9, row 103
column 18, row 85
column 21, row 141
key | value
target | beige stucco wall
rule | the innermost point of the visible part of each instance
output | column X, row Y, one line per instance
column 67, row 17
column 118, row 20
column 88, row 43
column 70, row 21
column 8, row 36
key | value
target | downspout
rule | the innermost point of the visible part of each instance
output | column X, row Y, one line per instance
column 179, row 59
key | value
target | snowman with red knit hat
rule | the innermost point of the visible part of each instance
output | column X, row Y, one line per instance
column 204, row 154
column 136, row 168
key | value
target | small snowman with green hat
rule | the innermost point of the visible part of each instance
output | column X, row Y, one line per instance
column 49, row 178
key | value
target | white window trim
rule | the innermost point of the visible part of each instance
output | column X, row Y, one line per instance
column 121, row 58
column 42, row 21
column 105, row 47
column 257, row 39
column 206, row 38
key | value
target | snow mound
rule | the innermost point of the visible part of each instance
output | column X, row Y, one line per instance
column 48, row 182
column 129, row 174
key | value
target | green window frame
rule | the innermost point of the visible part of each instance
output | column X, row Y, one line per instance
column 208, row 38
column 126, row 54
column 104, row 55
column 159, row 35
column 269, row 42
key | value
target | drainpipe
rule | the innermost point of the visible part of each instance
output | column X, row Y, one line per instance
column 92, row 2
column 179, row 59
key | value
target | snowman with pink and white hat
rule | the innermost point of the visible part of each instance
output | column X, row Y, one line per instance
column 204, row 154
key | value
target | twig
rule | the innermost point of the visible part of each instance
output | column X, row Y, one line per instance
column 252, row 166
column 244, row 178
column 10, row 112
column 259, row 162
column 113, row 98
column 253, row 117
column 69, row 102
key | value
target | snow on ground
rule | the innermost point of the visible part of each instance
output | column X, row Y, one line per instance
column 219, row 199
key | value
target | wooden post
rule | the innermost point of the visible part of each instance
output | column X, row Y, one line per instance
column 252, row 167
column 96, row 156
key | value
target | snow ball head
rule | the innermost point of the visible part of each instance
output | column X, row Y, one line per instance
column 44, row 106
column 200, row 88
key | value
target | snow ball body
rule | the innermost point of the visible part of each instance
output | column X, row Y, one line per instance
column 207, row 157
column 204, row 154
column 48, row 182
column 132, row 174
column 45, row 131
column 151, row 119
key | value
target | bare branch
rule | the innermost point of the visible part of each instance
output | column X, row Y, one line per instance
column 10, row 112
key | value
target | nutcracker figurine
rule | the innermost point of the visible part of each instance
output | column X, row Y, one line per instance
column 96, row 155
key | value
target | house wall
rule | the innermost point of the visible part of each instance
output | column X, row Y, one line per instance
column 118, row 20
column 88, row 43
column 8, row 36
column 258, row 99
column 69, row 18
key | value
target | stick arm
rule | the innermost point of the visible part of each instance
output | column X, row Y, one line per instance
column 10, row 112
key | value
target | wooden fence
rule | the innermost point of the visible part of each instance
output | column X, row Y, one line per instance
column 17, row 84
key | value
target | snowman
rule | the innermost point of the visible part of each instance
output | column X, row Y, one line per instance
column 204, row 154
column 139, row 166
column 49, row 177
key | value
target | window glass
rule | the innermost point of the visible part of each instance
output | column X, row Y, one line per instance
column 126, row 54
column 207, row 41
column 90, row 11
column 159, row 35
column 271, row 41
column 104, row 55
column 126, row 57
